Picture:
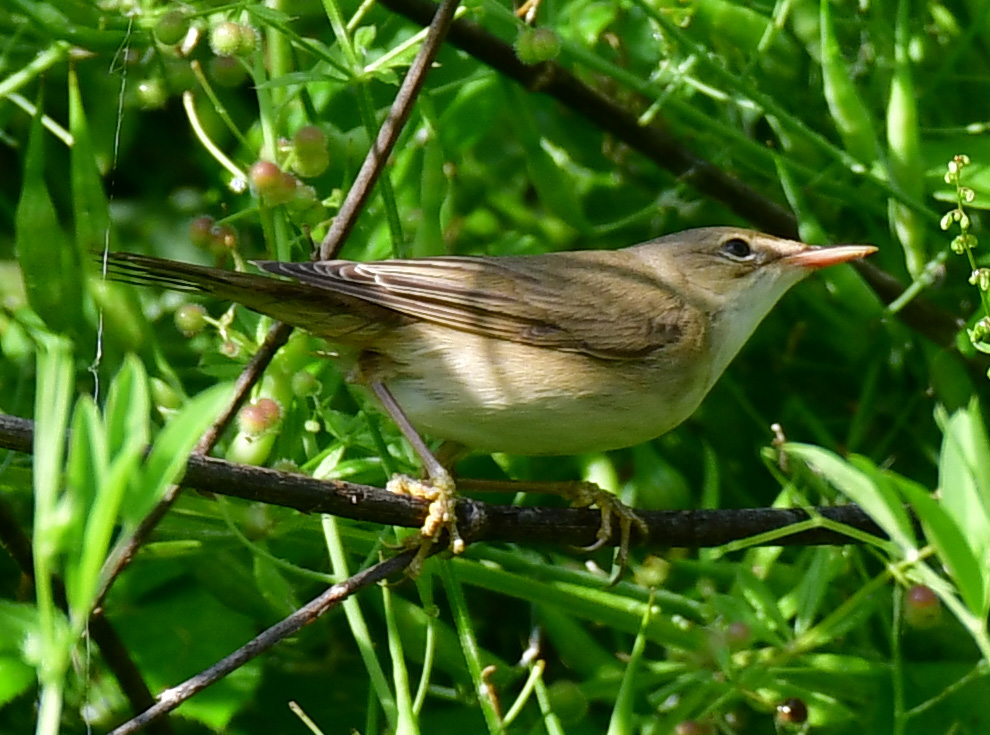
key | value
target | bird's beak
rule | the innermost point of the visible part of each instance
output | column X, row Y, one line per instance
column 816, row 257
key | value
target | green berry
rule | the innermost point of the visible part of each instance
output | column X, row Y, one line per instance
column 225, row 38
column 309, row 138
column 190, row 319
column 535, row 45
column 653, row 572
column 227, row 71
column 151, row 93
column 568, row 701
column 311, row 155
column 172, row 27
column 249, row 41
column 305, row 384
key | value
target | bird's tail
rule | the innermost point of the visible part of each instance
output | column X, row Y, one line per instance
column 317, row 310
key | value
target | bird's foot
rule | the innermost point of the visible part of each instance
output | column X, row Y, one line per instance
column 586, row 494
column 441, row 493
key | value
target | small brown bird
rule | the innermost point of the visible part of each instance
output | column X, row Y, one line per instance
column 549, row 354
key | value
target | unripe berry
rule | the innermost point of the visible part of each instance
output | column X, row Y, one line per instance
column 190, row 319
column 305, row 384
column 225, row 38
column 227, row 71
column 309, row 145
column 151, row 93
column 534, row 45
column 172, row 27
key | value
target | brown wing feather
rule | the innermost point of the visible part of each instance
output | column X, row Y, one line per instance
column 559, row 300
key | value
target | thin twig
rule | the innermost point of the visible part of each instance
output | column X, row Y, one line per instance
column 371, row 169
column 307, row 614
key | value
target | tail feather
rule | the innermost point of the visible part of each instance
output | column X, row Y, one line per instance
column 144, row 270
column 318, row 310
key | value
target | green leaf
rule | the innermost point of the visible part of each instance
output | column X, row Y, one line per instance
column 53, row 276
column 851, row 116
column 54, row 392
column 860, row 481
column 100, row 524
column 273, row 585
column 86, row 465
column 128, row 407
column 951, row 544
column 16, row 677
column 964, row 475
column 553, row 183
column 765, row 606
column 167, row 458
column 90, row 207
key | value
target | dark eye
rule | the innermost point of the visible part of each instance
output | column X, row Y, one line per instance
column 737, row 248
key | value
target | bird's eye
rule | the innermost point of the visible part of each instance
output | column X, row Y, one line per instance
column 737, row 248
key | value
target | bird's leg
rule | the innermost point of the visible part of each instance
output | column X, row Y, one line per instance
column 581, row 495
column 438, row 488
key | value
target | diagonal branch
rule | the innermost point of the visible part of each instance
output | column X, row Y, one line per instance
column 307, row 614
column 439, row 21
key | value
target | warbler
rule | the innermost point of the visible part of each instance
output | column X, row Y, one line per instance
column 552, row 354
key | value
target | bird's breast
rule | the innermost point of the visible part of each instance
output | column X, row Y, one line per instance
column 498, row 395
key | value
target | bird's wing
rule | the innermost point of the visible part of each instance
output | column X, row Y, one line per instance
column 603, row 304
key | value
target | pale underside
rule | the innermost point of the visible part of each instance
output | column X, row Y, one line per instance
column 495, row 395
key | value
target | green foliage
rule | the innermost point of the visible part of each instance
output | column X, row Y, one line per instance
column 119, row 127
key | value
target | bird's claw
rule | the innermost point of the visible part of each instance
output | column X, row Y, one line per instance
column 586, row 494
column 441, row 493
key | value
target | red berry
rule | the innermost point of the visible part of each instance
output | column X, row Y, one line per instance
column 792, row 711
column 922, row 608
column 271, row 183
column 201, row 231
column 691, row 727
column 257, row 418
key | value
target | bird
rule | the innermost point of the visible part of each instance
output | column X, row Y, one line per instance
column 551, row 354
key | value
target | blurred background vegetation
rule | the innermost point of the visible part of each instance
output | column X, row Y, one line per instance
column 134, row 125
